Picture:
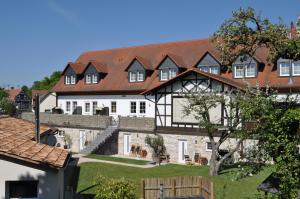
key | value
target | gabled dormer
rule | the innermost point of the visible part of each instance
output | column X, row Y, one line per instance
column 138, row 69
column 169, row 67
column 288, row 67
column 245, row 67
column 72, row 72
column 93, row 72
column 209, row 64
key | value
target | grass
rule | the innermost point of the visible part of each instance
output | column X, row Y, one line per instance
column 117, row 159
column 225, row 186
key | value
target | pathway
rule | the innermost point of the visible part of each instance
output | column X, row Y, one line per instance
column 83, row 159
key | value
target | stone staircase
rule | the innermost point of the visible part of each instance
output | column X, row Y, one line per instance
column 100, row 139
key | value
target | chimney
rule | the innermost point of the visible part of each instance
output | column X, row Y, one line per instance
column 37, row 118
column 293, row 31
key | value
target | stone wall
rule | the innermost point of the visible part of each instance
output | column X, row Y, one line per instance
column 195, row 144
column 137, row 123
column 93, row 121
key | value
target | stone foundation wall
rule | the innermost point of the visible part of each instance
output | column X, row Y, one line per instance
column 137, row 123
column 195, row 144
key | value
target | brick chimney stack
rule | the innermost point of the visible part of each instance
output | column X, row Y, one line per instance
column 293, row 31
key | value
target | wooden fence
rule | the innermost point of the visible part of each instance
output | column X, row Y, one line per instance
column 177, row 186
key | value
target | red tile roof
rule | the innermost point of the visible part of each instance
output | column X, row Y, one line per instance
column 39, row 92
column 13, row 93
column 16, row 142
column 184, row 53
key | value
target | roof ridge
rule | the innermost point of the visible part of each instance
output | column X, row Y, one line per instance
column 139, row 46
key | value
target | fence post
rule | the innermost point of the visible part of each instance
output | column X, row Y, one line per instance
column 143, row 188
column 211, row 190
column 161, row 191
column 200, row 185
column 174, row 187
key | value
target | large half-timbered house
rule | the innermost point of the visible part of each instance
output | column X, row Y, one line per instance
column 150, row 81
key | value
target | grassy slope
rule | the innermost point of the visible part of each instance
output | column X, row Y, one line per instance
column 225, row 187
column 117, row 159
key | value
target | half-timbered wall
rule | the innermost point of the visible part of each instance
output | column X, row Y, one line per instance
column 167, row 100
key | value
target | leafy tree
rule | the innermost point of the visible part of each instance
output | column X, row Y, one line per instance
column 48, row 82
column 26, row 90
column 7, row 107
column 246, row 32
column 240, row 108
column 157, row 145
column 3, row 93
column 114, row 188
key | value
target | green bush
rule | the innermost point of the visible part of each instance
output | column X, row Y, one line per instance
column 114, row 188
column 7, row 107
column 157, row 145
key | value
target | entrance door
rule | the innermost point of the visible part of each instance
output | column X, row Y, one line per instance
column 182, row 150
column 82, row 139
column 126, row 144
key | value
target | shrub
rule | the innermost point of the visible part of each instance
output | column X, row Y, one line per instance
column 157, row 145
column 7, row 107
column 114, row 188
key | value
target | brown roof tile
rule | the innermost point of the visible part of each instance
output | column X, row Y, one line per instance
column 12, row 93
column 16, row 142
column 184, row 53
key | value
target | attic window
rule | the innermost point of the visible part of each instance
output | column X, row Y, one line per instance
column 70, row 79
column 136, row 76
column 245, row 67
column 91, row 78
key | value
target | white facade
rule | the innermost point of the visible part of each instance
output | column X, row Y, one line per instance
column 123, row 104
column 48, row 103
column 50, row 182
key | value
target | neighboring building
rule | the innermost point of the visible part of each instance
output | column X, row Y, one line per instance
column 47, row 100
column 29, row 169
column 20, row 98
column 150, row 81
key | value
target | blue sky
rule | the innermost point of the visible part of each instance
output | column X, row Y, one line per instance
column 38, row 37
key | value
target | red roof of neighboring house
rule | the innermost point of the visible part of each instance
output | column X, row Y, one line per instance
column 186, row 54
column 13, row 93
column 39, row 92
column 16, row 142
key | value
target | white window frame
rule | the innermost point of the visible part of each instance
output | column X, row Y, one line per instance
column 68, row 79
column 87, row 109
column 164, row 77
column 215, row 67
column 235, row 70
column 73, row 79
column 247, row 69
column 293, row 68
column 172, row 73
column 88, row 79
column 206, row 146
column 111, row 107
column 280, row 69
column 140, row 76
column 68, row 106
column 144, row 112
column 132, row 76
column 131, row 105
column 95, row 78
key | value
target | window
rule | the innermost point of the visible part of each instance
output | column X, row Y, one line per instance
column 250, row 70
column 87, row 107
column 142, row 107
column 68, row 79
column 113, row 107
column 132, row 76
column 214, row 70
column 95, row 104
column 132, row 107
column 164, row 74
column 140, row 76
column 95, row 78
column 208, row 146
column 74, row 106
column 204, row 69
column 239, row 71
column 68, row 106
column 88, row 79
column 296, row 68
column 172, row 73
column 73, row 79
column 22, row 189
column 284, row 68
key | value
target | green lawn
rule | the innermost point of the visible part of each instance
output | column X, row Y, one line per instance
column 117, row 159
column 225, row 186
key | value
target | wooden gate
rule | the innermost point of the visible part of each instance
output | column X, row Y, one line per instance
column 177, row 186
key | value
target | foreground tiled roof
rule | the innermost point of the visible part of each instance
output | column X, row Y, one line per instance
column 185, row 53
column 16, row 142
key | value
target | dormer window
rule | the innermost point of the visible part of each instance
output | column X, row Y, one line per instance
column 88, row 79
column 136, row 76
column 296, row 68
column 169, row 67
column 95, row 78
column 140, row 76
column 132, row 76
column 209, row 64
column 70, row 79
column 91, row 78
column 138, row 69
column 245, row 67
column 288, row 67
